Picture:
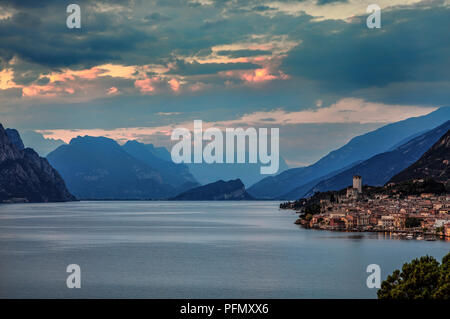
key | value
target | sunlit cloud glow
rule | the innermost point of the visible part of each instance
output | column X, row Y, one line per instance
column 348, row 110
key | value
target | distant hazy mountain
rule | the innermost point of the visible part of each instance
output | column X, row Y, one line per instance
column 377, row 170
column 177, row 175
column 43, row 146
column 406, row 140
column 358, row 149
column 435, row 163
column 26, row 177
column 220, row 190
column 208, row 173
column 161, row 152
column 98, row 168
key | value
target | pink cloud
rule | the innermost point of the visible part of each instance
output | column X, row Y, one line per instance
column 41, row 90
column 88, row 74
column 7, row 79
column 145, row 86
column 258, row 75
column 71, row 75
column 174, row 85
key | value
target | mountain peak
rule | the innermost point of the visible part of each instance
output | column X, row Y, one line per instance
column 87, row 139
column 14, row 137
column 99, row 168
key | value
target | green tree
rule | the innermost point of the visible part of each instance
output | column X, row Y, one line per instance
column 422, row 278
column 312, row 209
column 443, row 290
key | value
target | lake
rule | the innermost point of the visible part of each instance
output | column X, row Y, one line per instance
column 188, row 250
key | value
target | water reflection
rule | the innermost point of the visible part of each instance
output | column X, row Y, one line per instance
column 188, row 250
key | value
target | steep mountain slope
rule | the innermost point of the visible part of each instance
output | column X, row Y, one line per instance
column 98, row 168
column 377, row 170
column 177, row 175
column 435, row 163
column 358, row 149
column 14, row 138
column 26, row 177
column 220, row 190
column 406, row 140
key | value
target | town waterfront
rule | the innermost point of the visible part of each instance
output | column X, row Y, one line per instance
column 188, row 250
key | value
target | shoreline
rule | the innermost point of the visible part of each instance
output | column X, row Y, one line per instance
column 400, row 234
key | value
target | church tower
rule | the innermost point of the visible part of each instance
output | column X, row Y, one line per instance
column 357, row 183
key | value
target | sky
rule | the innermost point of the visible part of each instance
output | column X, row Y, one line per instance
column 139, row 69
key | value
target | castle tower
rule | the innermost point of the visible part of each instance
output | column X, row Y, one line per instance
column 357, row 183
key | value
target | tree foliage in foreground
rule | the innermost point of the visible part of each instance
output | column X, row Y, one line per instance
column 422, row 278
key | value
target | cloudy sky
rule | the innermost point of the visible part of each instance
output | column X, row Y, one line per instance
column 138, row 69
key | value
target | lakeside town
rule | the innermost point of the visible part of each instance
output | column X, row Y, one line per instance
column 422, row 216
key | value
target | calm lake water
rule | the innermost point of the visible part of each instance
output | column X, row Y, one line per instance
column 188, row 250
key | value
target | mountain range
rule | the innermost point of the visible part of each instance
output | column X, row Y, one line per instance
column 99, row 168
column 377, row 170
column 26, row 177
column 202, row 173
column 360, row 148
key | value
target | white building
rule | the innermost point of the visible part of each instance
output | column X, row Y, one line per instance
column 386, row 221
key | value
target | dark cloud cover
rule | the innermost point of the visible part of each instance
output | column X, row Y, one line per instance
column 342, row 57
column 412, row 45
column 196, row 68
